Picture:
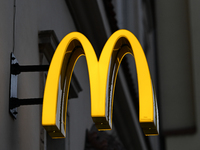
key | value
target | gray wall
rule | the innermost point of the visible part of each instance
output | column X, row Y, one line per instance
column 178, row 30
column 28, row 18
column 6, row 47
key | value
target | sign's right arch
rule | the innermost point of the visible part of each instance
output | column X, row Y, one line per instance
column 123, row 42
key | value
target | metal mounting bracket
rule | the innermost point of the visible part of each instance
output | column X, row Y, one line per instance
column 47, row 45
column 15, row 70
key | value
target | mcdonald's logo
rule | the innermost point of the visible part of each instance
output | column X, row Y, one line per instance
column 102, row 77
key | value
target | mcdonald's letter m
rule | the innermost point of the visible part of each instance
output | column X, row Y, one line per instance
column 102, row 73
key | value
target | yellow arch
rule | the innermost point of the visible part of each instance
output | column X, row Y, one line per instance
column 102, row 74
column 59, row 77
column 120, row 43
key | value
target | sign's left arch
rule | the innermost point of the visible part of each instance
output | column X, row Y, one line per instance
column 102, row 77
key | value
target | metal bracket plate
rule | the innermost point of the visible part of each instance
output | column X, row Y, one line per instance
column 13, row 86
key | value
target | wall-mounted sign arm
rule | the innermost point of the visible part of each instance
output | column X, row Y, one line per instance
column 47, row 45
column 15, row 70
column 15, row 102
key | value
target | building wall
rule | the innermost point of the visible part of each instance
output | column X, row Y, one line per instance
column 20, row 23
column 6, row 47
column 178, row 53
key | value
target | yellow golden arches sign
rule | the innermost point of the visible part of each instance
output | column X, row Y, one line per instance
column 102, row 77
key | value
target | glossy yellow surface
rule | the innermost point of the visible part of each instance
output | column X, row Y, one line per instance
column 102, row 76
